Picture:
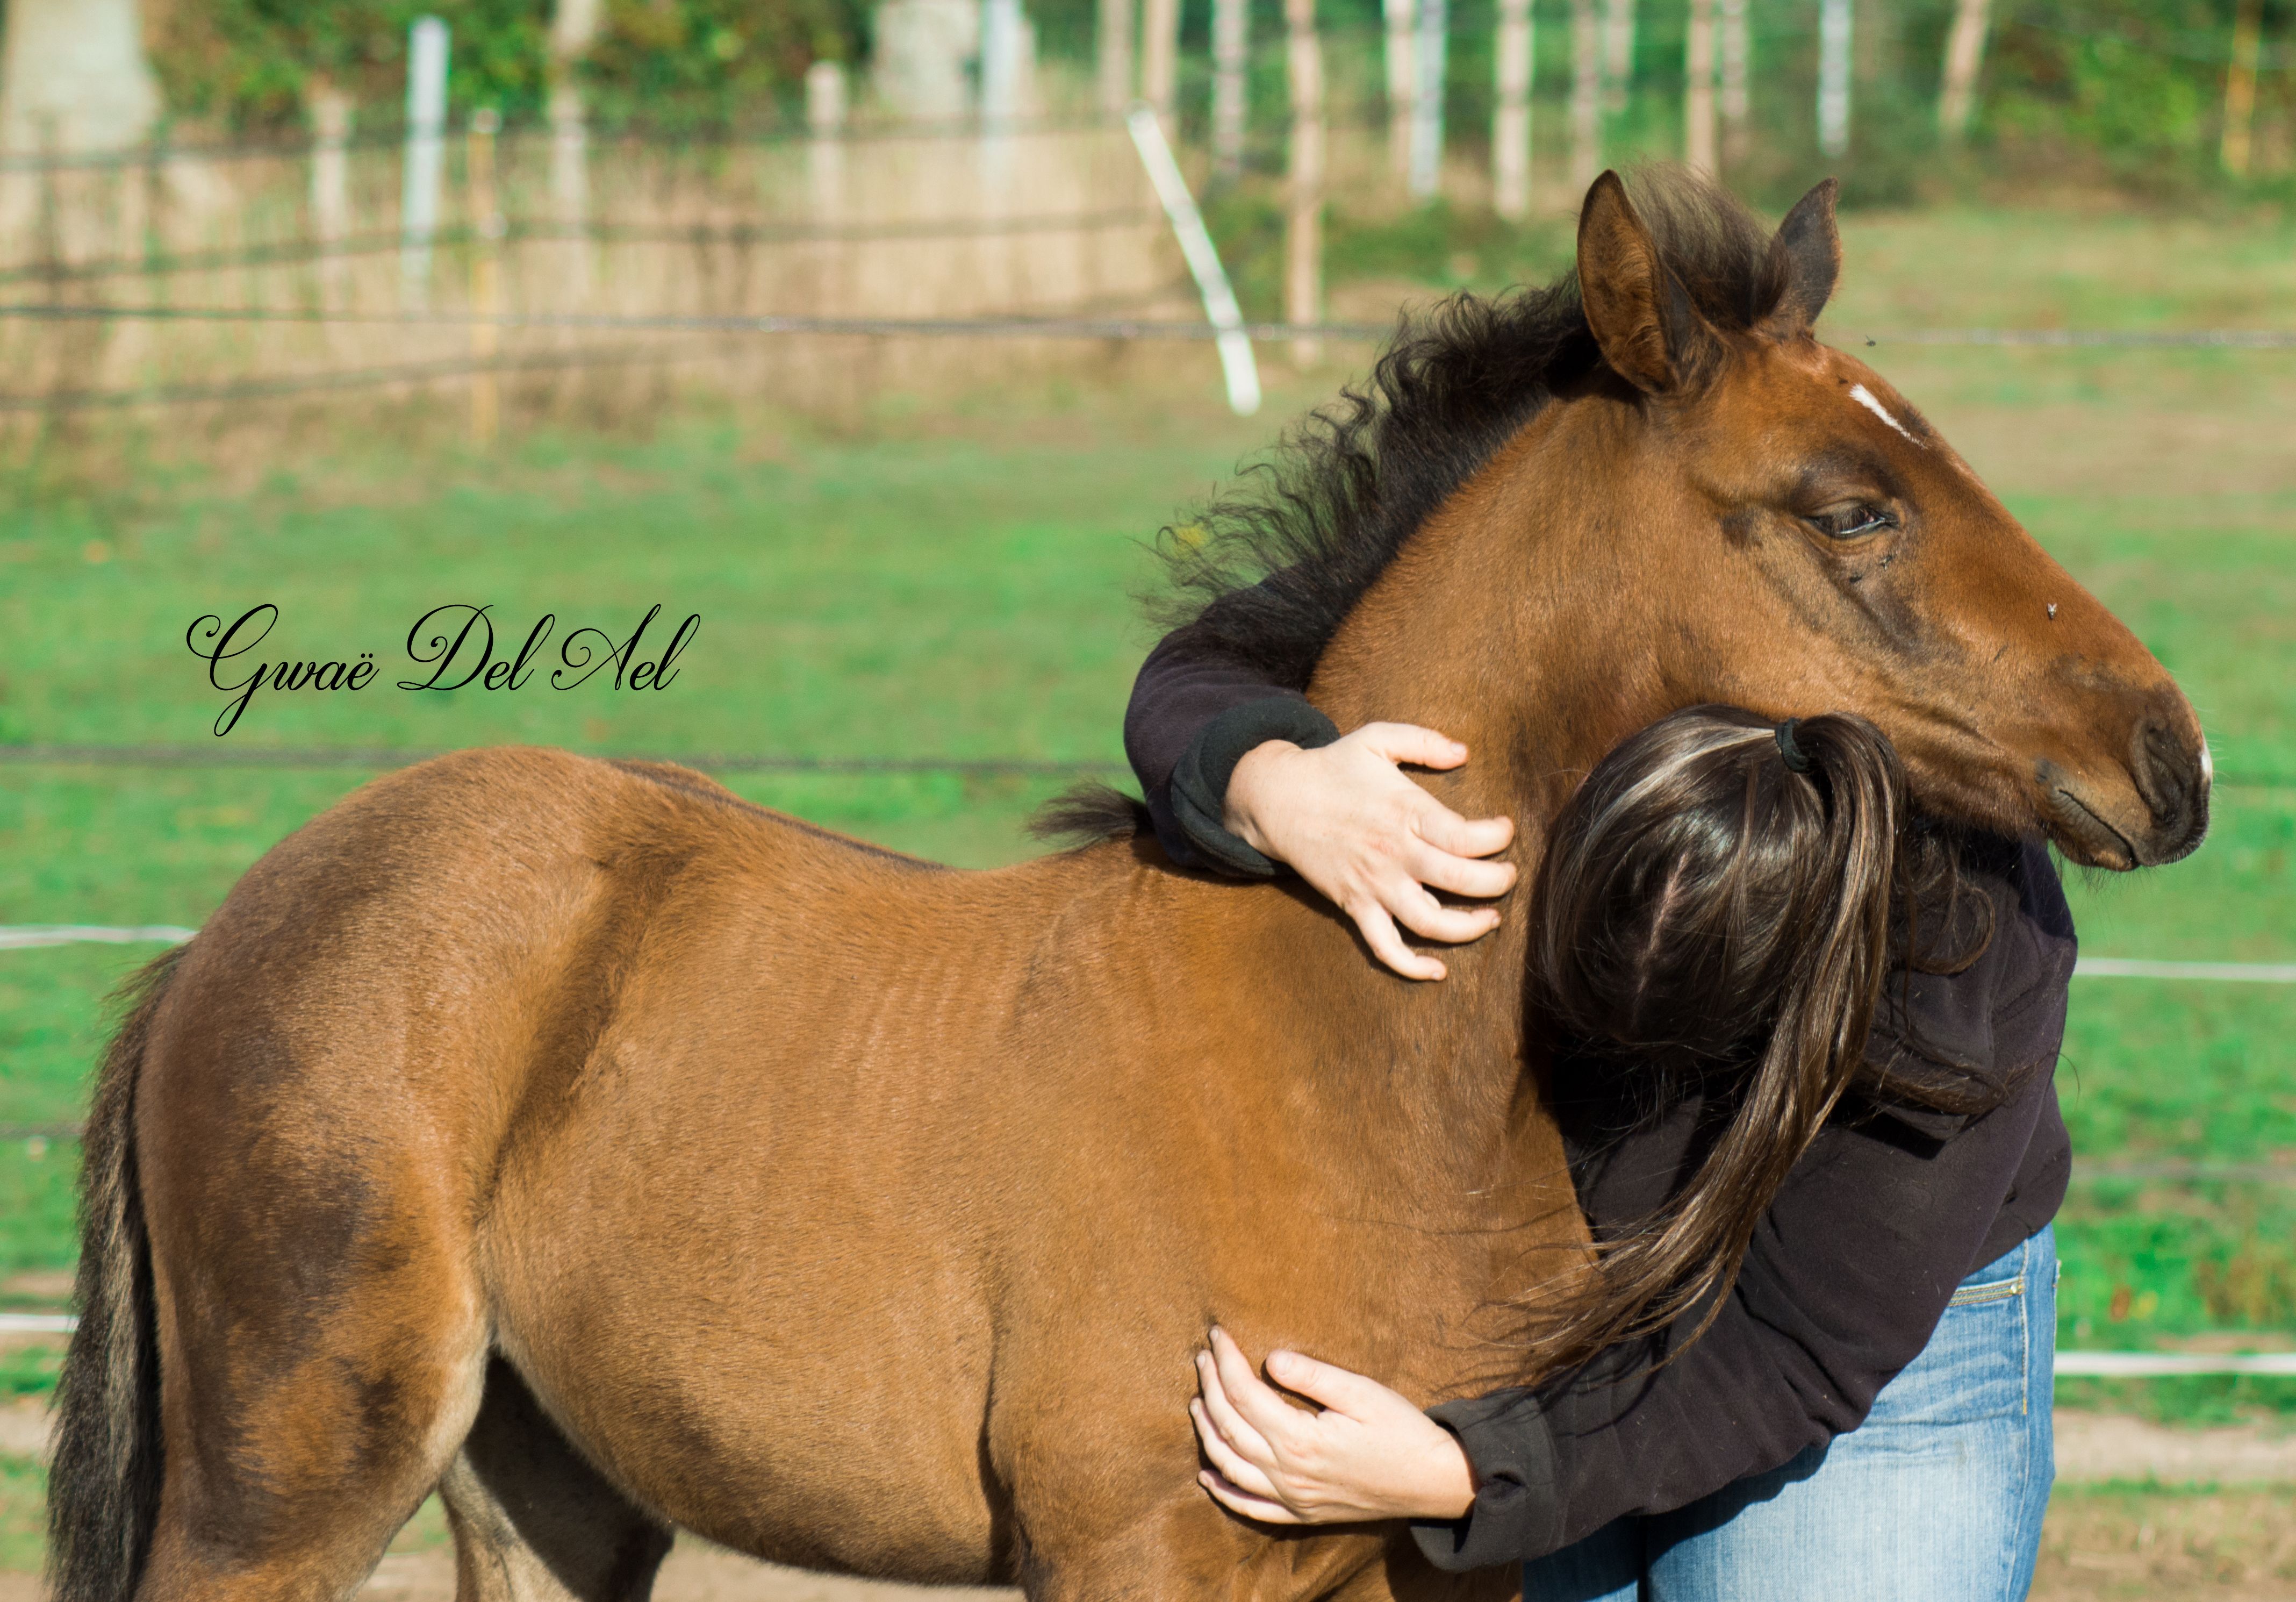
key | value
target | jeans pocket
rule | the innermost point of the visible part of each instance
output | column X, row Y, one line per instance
column 1975, row 1365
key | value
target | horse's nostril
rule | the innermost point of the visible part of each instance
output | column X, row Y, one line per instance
column 2172, row 775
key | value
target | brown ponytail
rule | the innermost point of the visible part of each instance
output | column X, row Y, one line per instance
column 1715, row 906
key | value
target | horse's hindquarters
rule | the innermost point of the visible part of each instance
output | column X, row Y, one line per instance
column 503, row 1054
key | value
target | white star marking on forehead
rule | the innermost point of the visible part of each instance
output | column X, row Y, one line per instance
column 1864, row 396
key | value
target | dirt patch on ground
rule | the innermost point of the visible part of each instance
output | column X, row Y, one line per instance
column 2170, row 1545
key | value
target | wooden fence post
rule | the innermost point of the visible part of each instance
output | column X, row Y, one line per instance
column 1618, row 54
column 1303, row 233
column 2240, row 84
column 1585, row 98
column 825, row 145
column 1698, row 143
column 1115, row 56
column 1160, row 54
column 1737, row 104
column 485, row 221
column 1964, row 53
column 1511, row 122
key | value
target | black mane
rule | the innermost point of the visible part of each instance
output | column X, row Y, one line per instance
column 1267, row 574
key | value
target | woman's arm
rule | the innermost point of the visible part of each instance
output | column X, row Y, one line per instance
column 1241, row 774
column 1841, row 1288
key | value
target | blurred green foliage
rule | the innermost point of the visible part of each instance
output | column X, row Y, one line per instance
column 672, row 66
column 2127, row 92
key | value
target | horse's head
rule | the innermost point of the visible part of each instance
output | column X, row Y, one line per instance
column 1808, row 543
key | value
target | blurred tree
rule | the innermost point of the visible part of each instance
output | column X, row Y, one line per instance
column 250, row 63
column 72, row 76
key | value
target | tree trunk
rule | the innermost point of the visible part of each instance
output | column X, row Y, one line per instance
column 2240, row 86
column 73, row 76
column 1964, row 53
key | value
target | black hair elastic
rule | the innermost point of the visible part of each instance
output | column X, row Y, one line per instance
column 1797, row 759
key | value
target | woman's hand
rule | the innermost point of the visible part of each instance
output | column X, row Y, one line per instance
column 1351, row 823
column 1369, row 1454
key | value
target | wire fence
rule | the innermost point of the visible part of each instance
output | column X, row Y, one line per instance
column 1036, row 327
column 226, row 754
column 293, row 251
column 66, row 399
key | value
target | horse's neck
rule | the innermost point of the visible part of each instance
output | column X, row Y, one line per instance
column 1499, row 623
column 1496, row 625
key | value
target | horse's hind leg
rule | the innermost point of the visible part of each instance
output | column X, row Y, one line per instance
column 289, row 1464
column 535, row 1522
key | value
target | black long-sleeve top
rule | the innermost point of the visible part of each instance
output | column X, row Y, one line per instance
column 1851, row 1268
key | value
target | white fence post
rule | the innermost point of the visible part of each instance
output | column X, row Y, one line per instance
column 1511, row 122
column 1003, row 64
column 331, row 188
column 426, row 153
column 1402, row 84
column 825, row 145
column 1833, row 18
column 1220, row 309
column 1428, row 63
column 1231, row 44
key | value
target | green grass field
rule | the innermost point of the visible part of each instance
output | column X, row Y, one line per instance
column 956, row 582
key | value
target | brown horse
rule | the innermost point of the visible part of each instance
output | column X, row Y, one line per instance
column 614, row 1156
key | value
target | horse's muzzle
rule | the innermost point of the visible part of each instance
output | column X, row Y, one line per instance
column 2172, row 771
column 2155, row 811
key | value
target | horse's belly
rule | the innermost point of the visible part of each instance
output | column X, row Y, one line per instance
column 788, row 1355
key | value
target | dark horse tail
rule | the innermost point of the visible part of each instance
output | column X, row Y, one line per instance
column 103, row 1479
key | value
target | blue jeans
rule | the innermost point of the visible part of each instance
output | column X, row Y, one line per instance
column 1936, row 1498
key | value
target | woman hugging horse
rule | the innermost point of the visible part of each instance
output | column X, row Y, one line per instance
column 1842, row 1393
column 613, row 1157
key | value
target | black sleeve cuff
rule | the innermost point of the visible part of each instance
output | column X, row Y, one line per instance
column 1518, row 1511
column 1200, row 782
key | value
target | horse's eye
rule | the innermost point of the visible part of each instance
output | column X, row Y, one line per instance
column 1848, row 522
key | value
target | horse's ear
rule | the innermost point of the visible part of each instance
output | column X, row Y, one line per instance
column 1641, row 315
column 1806, row 253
